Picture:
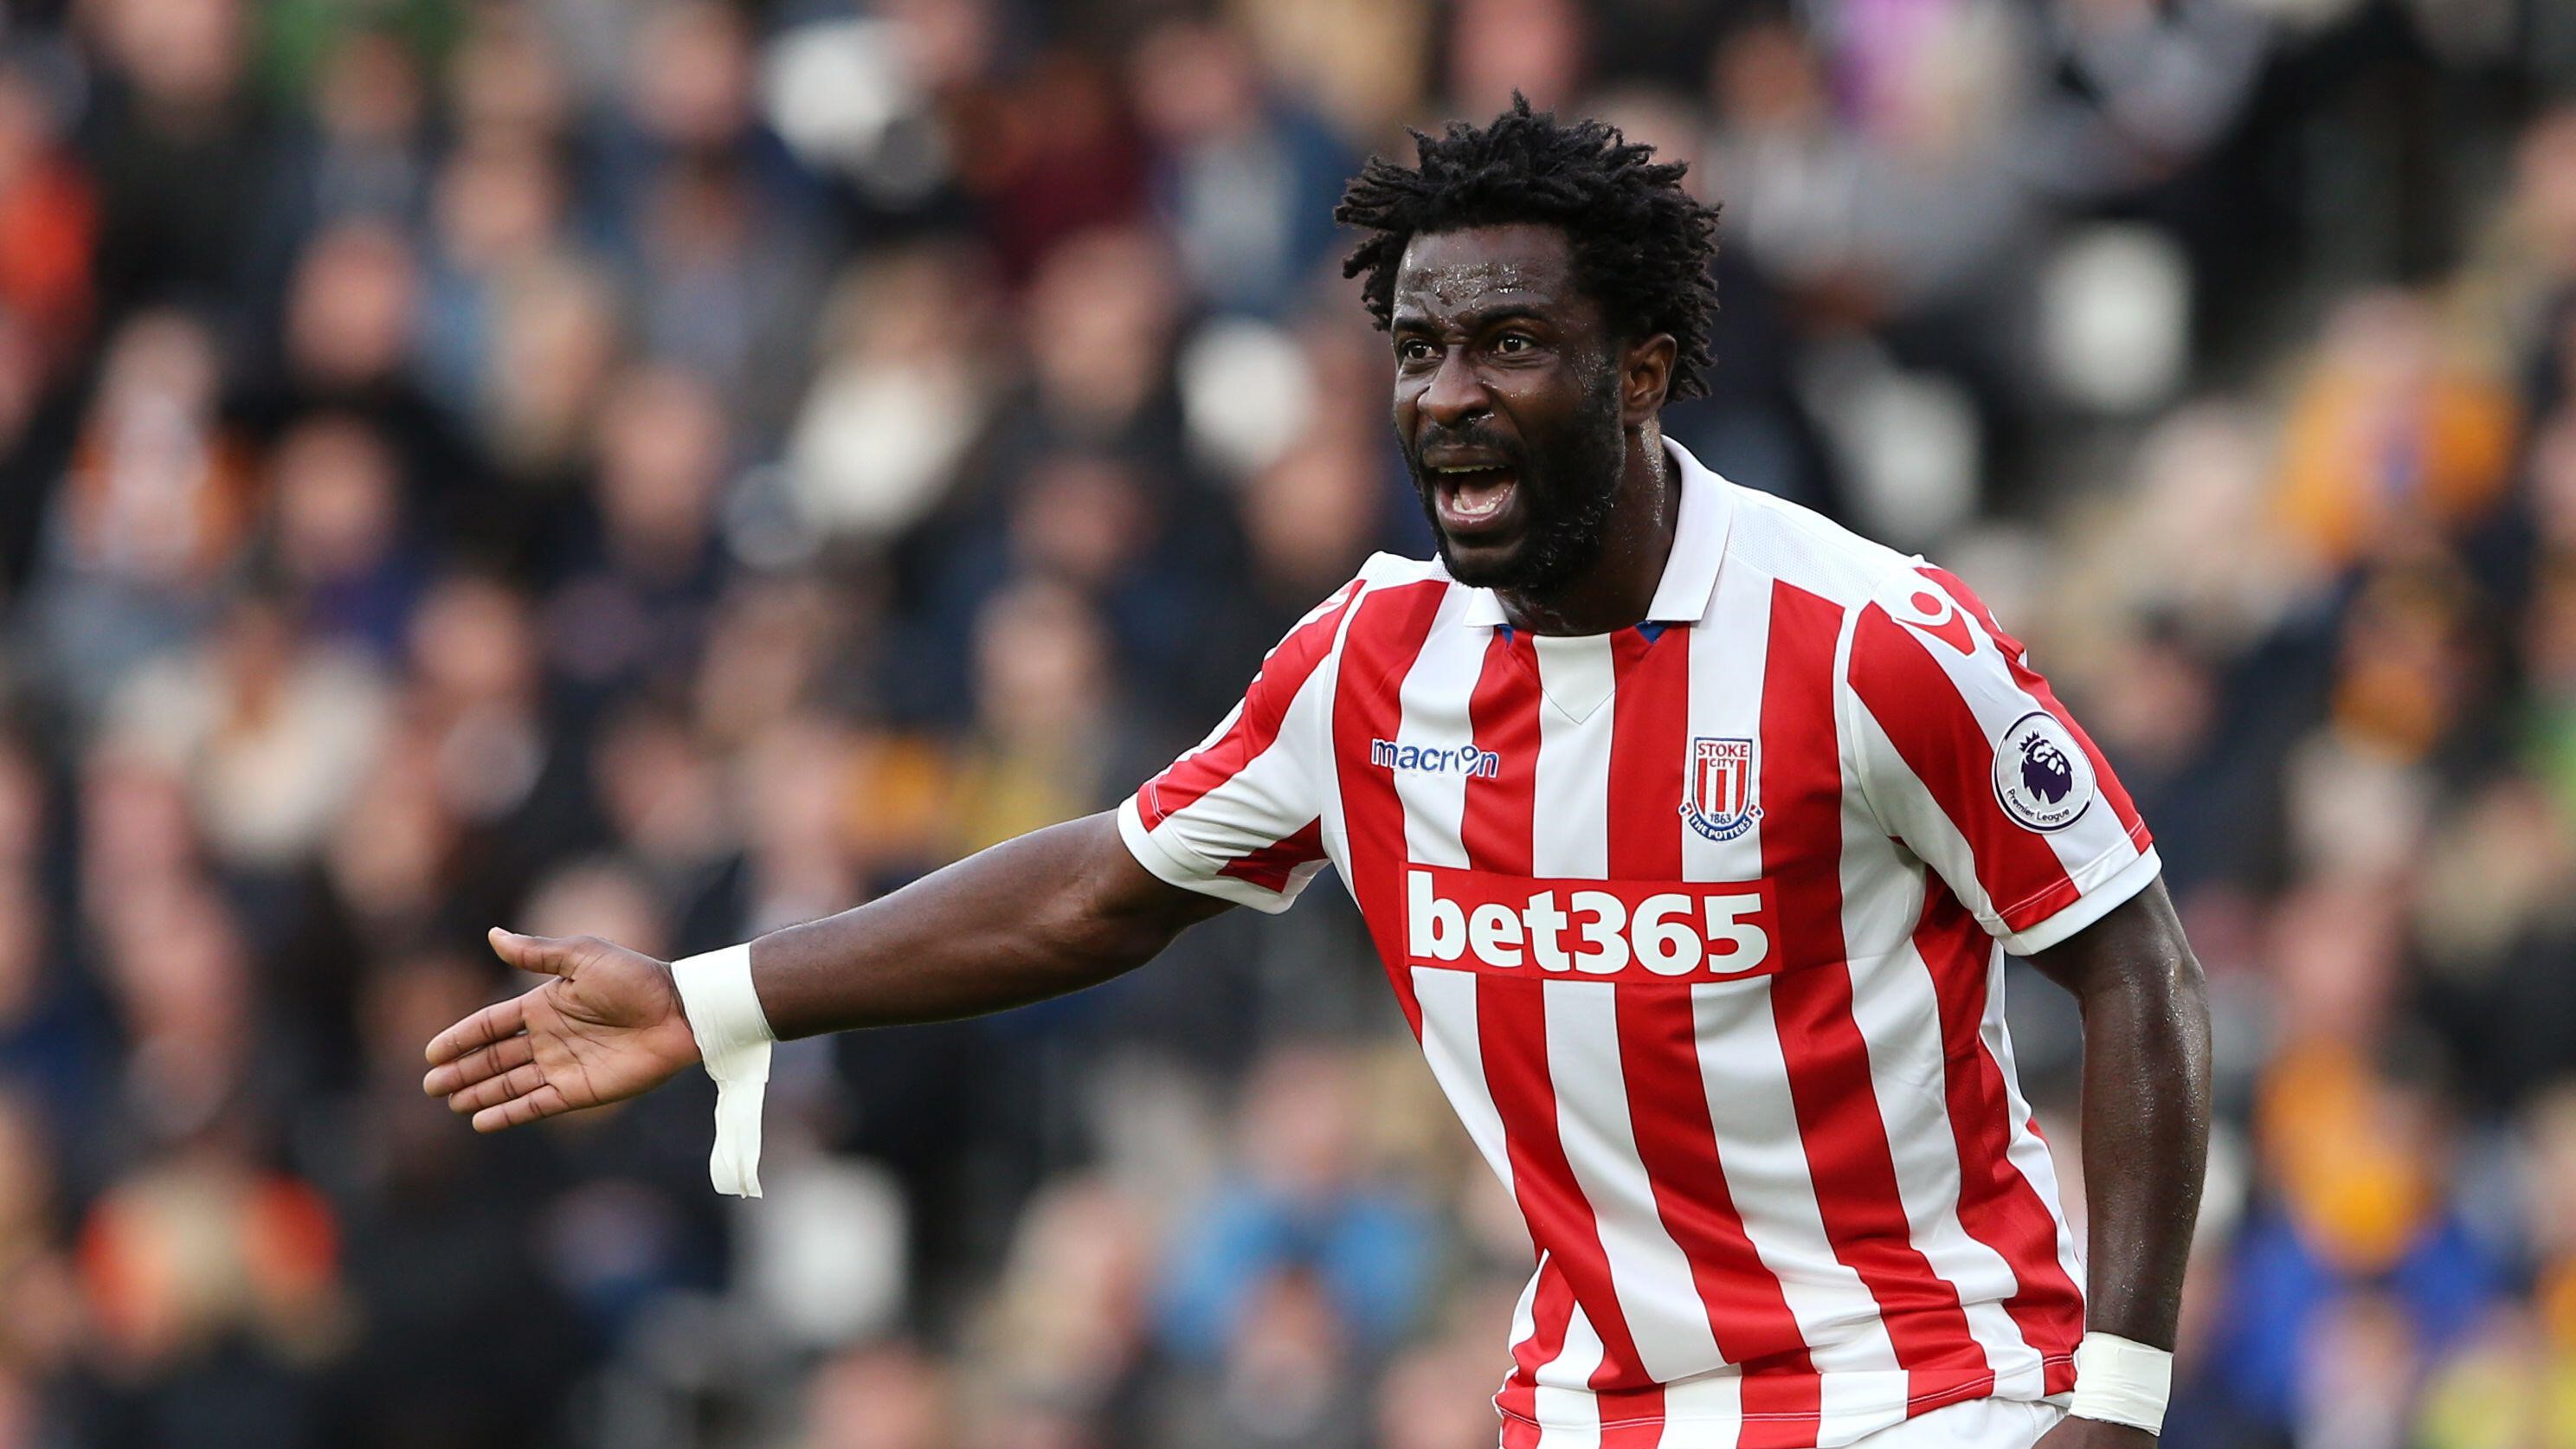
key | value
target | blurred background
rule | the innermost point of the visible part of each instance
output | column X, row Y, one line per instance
column 669, row 469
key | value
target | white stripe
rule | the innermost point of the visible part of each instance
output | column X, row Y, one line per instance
column 1706, row 1412
column 1766, row 1168
column 1572, row 783
column 2028, row 1154
column 1576, row 673
column 1433, row 700
column 1747, row 1079
column 1249, row 809
column 1651, row 1276
column 1929, row 831
column 1436, row 699
column 1648, row 1274
column 1328, row 679
column 1657, row 1294
column 1567, row 1410
column 1451, row 1043
column 1435, row 710
column 1525, row 1312
column 1899, row 1017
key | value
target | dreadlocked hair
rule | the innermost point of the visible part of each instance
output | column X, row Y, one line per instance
column 1642, row 246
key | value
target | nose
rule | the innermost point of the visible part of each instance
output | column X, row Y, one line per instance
column 1454, row 394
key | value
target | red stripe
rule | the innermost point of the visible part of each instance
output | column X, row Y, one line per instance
column 1659, row 1057
column 1511, row 1029
column 2037, row 688
column 1270, row 866
column 1502, row 714
column 1551, row 1315
column 1385, row 636
column 1640, row 1424
column 1499, row 829
column 1255, row 727
column 1495, row 828
column 1649, row 748
column 1828, row 1062
column 1997, row 1205
column 1948, row 749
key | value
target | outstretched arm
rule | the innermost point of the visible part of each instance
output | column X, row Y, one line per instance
column 1050, row 912
column 2146, row 1123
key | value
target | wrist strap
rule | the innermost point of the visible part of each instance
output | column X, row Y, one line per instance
column 2121, row 1382
column 733, row 1038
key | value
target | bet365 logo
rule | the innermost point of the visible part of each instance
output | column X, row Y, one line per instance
column 1507, row 923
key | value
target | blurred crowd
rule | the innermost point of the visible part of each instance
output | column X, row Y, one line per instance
column 668, row 469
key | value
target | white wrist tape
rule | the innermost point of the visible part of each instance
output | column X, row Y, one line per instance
column 2120, row 1382
column 733, row 1037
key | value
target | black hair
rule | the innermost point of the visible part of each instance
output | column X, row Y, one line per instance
column 1642, row 245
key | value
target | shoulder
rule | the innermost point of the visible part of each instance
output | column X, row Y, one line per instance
column 1904, row 620
column 1321, row 630
column 1390, row 584
column 1393, row 570
column 1806, row 550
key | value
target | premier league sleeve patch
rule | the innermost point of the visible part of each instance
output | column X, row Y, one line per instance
column 2043, row 778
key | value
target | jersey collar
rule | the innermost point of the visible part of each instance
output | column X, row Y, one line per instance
column 1690, row 573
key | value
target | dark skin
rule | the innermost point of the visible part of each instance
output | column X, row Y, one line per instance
column 1497, row 348
column 1499, row 354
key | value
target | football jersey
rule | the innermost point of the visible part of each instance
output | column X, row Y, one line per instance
column 1701, row 927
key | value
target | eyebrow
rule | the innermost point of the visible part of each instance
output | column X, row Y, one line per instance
column 1476, row 321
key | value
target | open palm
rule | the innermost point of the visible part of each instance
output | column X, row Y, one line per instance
column 606, row 1027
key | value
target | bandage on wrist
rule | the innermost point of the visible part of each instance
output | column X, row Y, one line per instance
column 2118, row 1381
column 733, row 1038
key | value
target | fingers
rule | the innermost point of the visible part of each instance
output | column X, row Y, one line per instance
column 493, row 1091
column 548, row 954
column 478, row 1065
column 518, row 1111
column 493, row 1023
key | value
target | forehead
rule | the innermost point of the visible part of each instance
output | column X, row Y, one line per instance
column 1523, row 264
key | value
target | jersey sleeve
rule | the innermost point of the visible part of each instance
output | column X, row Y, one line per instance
column 1966, row 755
column 1240, row 817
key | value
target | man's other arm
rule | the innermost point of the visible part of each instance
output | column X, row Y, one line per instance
column 2146, row 1121
column 1050, row 912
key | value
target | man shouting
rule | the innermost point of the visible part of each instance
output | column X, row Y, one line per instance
column 1692, row 831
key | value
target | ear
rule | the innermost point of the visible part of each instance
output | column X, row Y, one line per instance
column 1645, row 376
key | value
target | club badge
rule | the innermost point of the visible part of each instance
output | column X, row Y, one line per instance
column 1717, row 793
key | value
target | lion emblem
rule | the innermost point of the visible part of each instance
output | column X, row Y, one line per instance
column 2045, row 771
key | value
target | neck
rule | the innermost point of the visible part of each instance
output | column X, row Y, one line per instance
column 1618, row 587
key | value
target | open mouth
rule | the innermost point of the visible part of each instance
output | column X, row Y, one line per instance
column 1470, row 500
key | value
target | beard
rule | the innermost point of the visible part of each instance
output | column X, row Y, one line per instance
column 1567, row 484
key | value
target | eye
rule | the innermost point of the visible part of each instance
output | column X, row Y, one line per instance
column 1413, row 349
column 1512, row 342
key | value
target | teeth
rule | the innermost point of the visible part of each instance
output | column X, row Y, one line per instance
column 1478, row 500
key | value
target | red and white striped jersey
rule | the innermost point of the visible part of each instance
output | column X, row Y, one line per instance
column 1701, row 925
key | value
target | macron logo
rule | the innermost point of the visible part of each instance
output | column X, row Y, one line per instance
column 1429, row 760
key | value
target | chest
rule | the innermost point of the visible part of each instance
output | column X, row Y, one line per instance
column 1660, row 804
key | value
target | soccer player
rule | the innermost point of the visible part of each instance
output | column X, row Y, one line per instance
column 1692, row 831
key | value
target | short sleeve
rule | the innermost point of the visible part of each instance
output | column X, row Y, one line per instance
column 1241, row 816
column 1967, row 757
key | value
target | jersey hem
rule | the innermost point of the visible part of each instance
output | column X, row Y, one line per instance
column 2090, row 903
column 1171, row 866
column 1967, row 1391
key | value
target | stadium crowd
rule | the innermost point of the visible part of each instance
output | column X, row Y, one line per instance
column 667, row 469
